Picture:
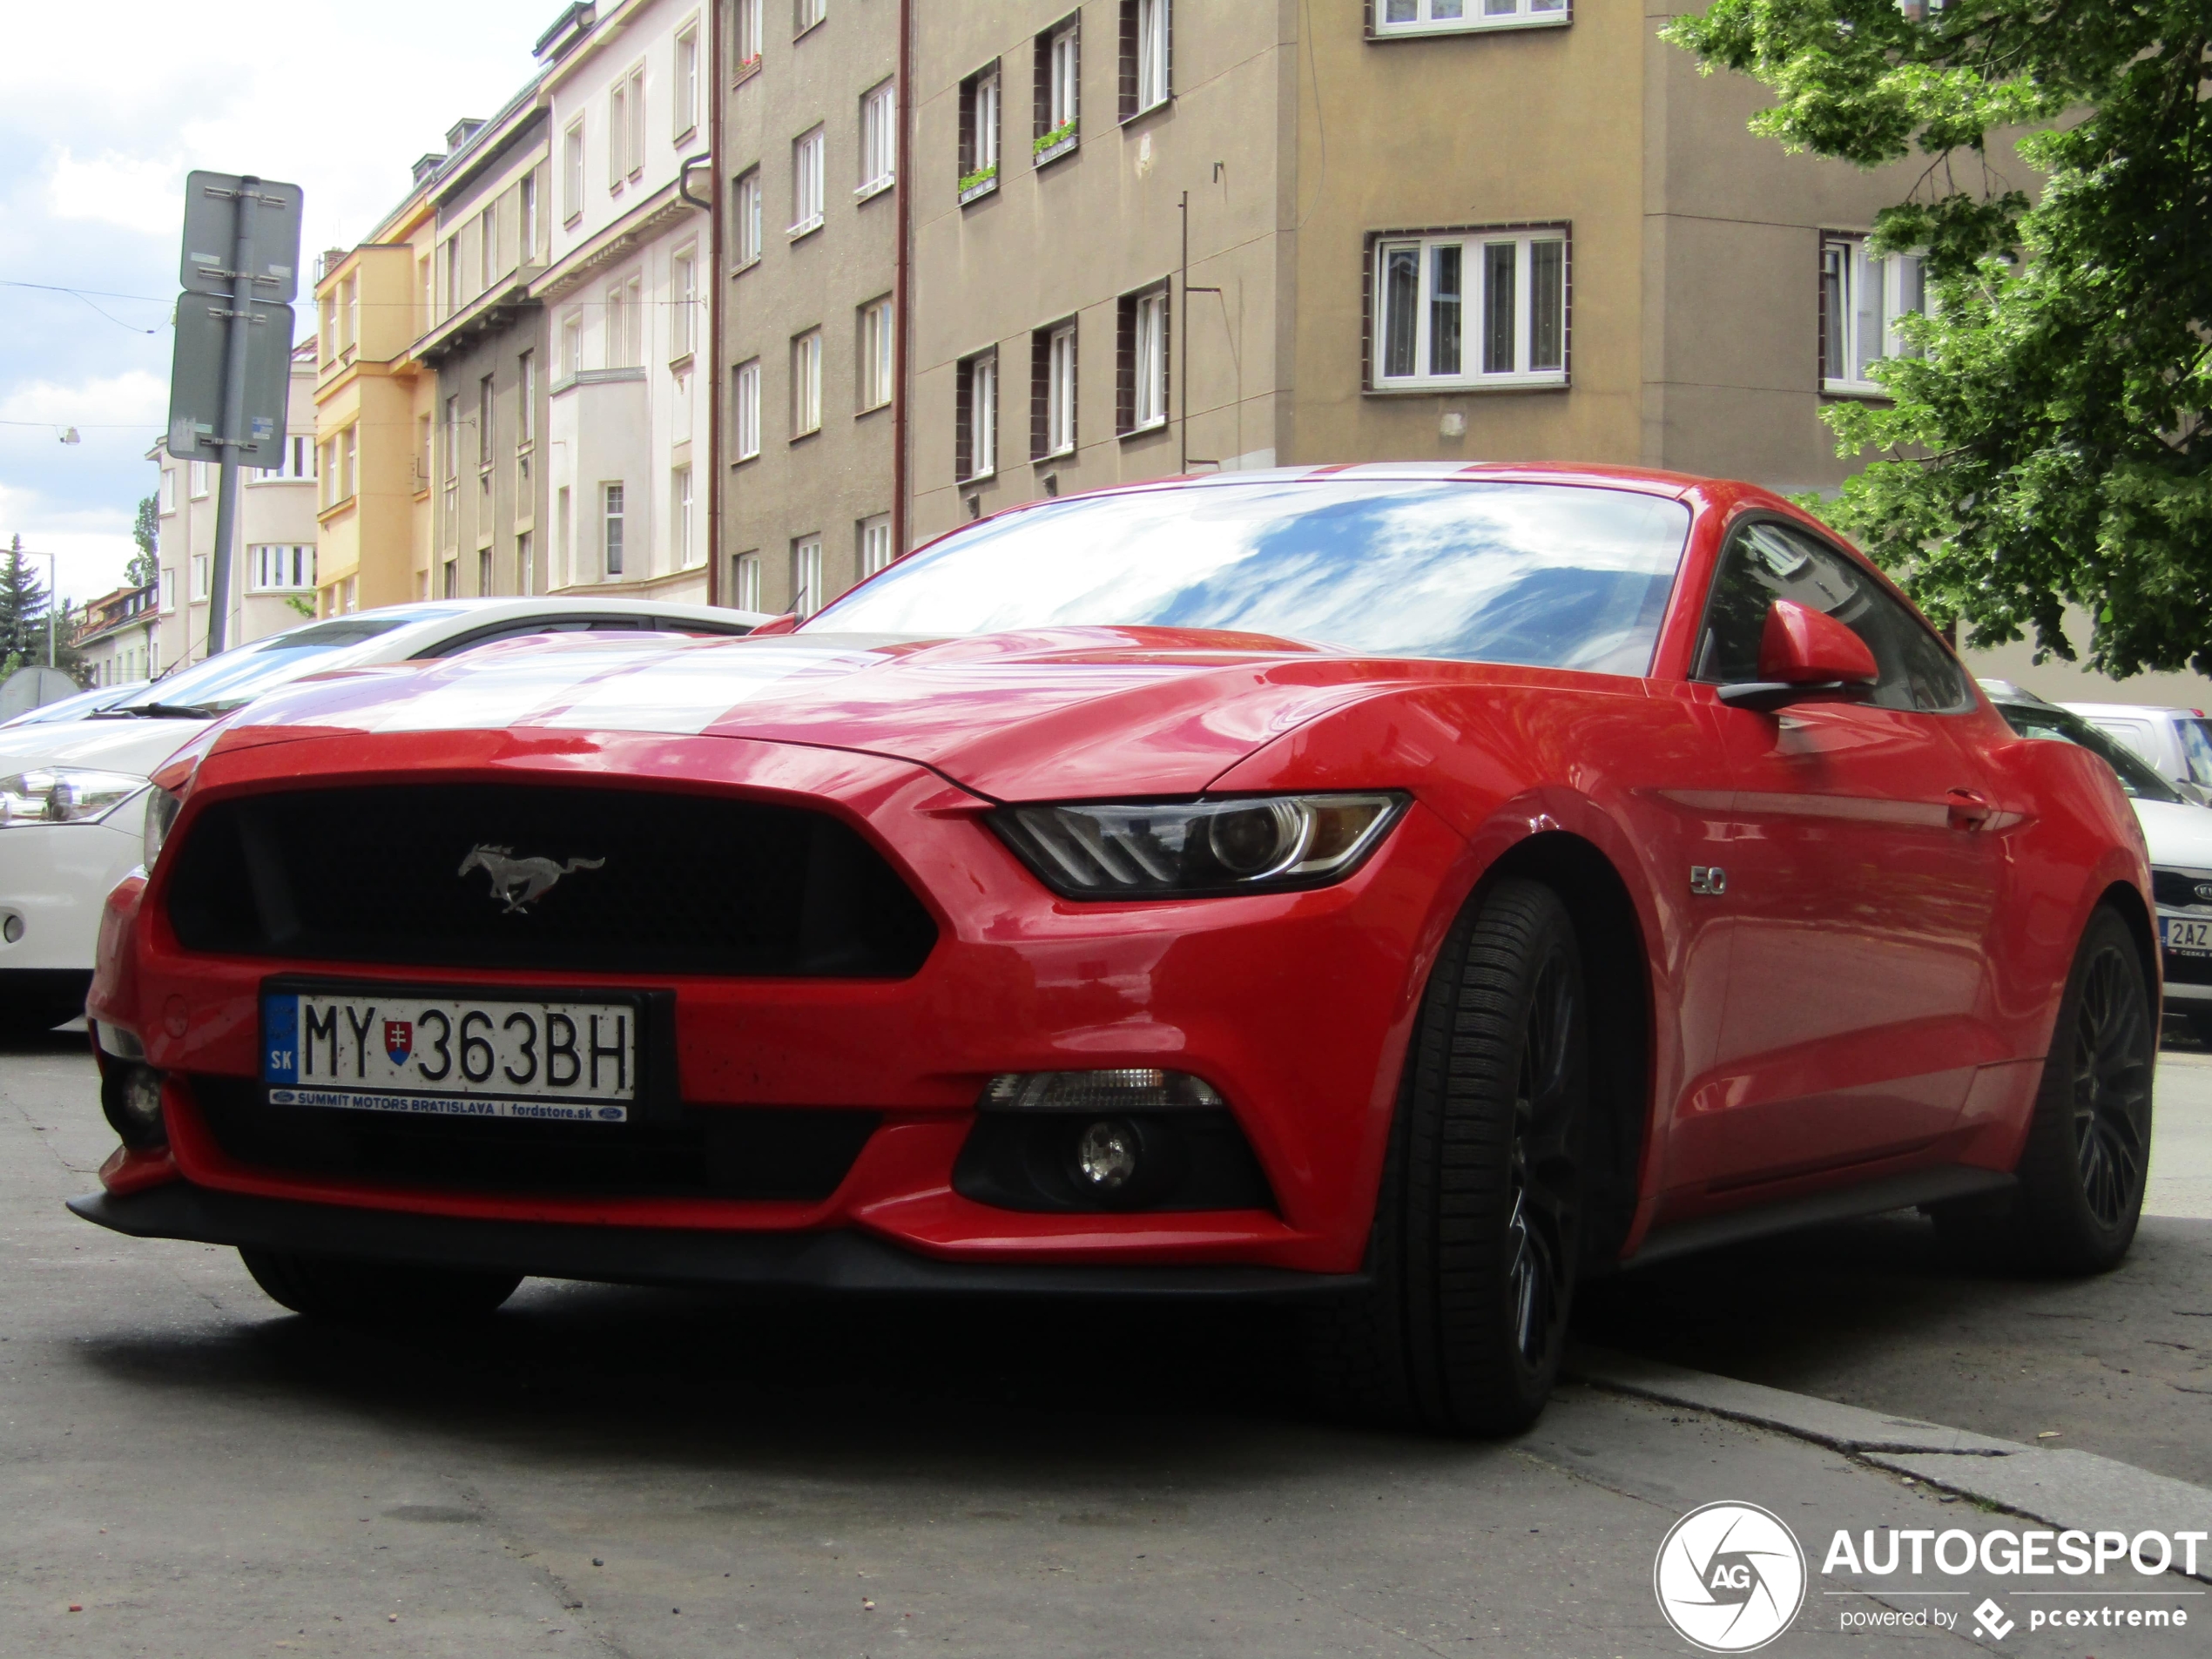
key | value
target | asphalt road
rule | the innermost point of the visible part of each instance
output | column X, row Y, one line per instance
column 623, row 1472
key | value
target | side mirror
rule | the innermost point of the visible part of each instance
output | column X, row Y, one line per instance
column 1803, row 654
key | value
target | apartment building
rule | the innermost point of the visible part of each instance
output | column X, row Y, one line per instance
column 810, row 152
column 116, row 638
column 376, row 402
column 274, row 558
column 487, row 347
column 626, row 90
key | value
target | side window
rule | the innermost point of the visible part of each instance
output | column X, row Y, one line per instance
column 1764, row 561
column 2196, row 750
column 501, row 635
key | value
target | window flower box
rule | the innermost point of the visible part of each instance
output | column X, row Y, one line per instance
column 1052, row 145
column 979, row 183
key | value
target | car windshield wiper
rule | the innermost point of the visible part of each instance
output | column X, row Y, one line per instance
column 168, row 711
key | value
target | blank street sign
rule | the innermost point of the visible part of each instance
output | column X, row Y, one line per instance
column 211, row 231
column 196, row 381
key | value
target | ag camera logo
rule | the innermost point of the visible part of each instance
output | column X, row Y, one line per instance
column 1730, row 1577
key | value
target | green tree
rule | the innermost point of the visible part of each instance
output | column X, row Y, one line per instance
column 2049, row 442
column 25, row 604
column 145, row 565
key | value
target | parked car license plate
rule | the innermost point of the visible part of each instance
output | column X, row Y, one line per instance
column 2194, row 938
column 393, row 1050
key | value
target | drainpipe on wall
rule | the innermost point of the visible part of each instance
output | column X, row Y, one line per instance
column 900, row 294
column 716, row 290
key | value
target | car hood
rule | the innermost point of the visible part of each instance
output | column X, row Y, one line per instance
column 2179, row 836
column 1063, row 713
column 137, row 746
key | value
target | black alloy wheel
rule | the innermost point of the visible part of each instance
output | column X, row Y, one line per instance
column 1478, row 1225
column 2082, row 1170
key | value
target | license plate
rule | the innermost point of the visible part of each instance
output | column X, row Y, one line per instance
column 393, row 1050
column 2192, row 938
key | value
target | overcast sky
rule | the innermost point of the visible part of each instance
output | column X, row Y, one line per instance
column 104, row 108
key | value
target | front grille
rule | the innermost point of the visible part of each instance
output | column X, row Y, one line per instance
column 712, row 1152
column 649, row 883
column 2176, row 889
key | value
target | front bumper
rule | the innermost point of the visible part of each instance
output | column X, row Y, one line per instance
column 1295, row 1007
column 53, row 879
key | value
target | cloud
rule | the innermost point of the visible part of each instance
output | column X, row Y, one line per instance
column 139, row 193
column 136, row 398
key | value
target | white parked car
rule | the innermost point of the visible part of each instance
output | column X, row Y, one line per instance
column 2177, row 742
column 73, row 792
column 2177, row 827
column 81, row 706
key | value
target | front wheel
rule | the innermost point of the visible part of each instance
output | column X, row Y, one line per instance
column 347, row 1292
column 1478, row 1225
column 2082, row 1172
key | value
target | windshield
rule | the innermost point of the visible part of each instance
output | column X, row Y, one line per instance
column 2196, row 750
column 2136, row 777
column 236, row 678
column 76, row 708
column 1547, row 575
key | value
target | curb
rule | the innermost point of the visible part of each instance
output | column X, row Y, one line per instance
column 2068, row 1489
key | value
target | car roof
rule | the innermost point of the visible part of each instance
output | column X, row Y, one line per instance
column 2134, row 710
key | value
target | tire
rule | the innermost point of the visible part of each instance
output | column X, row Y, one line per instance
column 375, row 1293
column 1478, row 1222
column 2081, row 1172
column 35, row 1017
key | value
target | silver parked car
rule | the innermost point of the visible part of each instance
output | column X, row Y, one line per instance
column 2177, row 742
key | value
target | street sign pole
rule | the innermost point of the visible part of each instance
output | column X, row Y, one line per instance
column 242, row 319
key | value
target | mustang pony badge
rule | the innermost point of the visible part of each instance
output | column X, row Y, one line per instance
column 521, row 882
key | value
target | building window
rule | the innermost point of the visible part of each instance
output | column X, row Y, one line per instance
column 626, row 128
column 1052, row 391
column 425, row 302
column 526, row 417
column 484, row 405
column 807, row 383
column 1058, row 89
column 879, row 138
column 806, row 575
column 744, row 581
column 979, row 133
column 683, row 306
column 744, row 407
column 878, row 364
column 679, row 515
column 572, row 171
column 349, row 313
column 745, row 214
column 488, row 248
column 571, row 346
column 624, row 350
column 1469, row 309
column 687, row 81
column 1862, row 296
column 875, row 543
column 168, row 490
column 611, row 519
column 744, row 44
column 168, row 591
column 1448, row 17
column 326, row 332
column 348, row 453
column 1141, row 362
column 975, row 416
column 807, row 13
column 1148, row 42
column 526, row 214
column 562, row 574
column 198, row 477
column 483, row 571
column 807, row 152
column 198, row 577
column 281, row 568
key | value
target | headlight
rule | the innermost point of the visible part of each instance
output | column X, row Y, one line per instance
column 1196, row 848
column 64, row 795
column 161, row 812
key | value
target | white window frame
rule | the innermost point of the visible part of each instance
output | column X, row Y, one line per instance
column 198, row 480
column 746, row 415
column 686, row 120
column 752, row 29
column 1148, row 393
column 618, row 132
column 614, row 531
column 198, row 577
column 806, row 384
column 746, row 244
column 1459, row 16
column 680, row 515
column 983, row 415
column 526, row 387
column 168, row 490
column 282, row 567
column 987, row 112
column 526, row 192
column 168, row 592
column 563, row 537
column 874, row 538
column 807, row 152
column 1155, row 55
column 879, row 140
column 572, row 345
column 636, row 157
column 1060, row 391
column 1429, row 374
column 572, row 166
column 806, row 575
column 1850, row 271
column 683, row 298
column 805, row 13
column 1063, row 67
column 745, row 582
column 878, row 353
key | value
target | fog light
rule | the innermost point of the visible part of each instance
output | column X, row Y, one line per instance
column 1107, row 1155
column 130, row 1095
column 11, row 929
column 1128, row 1089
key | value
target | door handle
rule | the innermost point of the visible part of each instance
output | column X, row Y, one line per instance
column 1966, row 809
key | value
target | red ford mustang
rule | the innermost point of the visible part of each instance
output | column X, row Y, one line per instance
column 1397, row 890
